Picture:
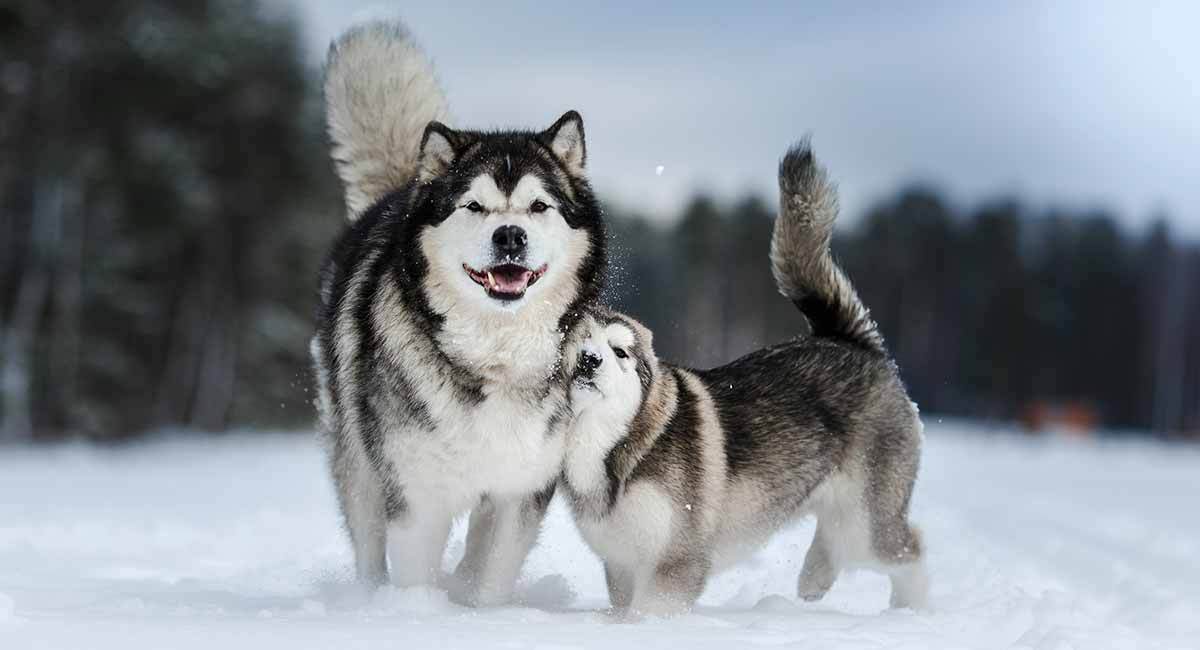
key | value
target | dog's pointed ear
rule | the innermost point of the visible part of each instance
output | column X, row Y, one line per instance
column 644, row 334
column 565, row 139
column 439, row 147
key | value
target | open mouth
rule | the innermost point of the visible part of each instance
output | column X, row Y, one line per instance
column 506, row 281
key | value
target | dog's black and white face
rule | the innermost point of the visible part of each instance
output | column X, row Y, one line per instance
column 509, row 219
column 615, row 364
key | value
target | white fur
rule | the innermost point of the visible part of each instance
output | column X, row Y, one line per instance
column 838, row 502
column 635, row 533
column 415, row 543
column 500, row 448
column 381, row 93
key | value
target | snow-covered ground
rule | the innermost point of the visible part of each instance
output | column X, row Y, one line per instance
column 234, row 542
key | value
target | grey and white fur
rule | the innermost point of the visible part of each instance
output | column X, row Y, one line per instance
column 446, row 306
column 675, row 473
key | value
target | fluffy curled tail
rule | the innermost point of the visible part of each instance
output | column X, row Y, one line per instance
column 380, row 94
column 800, row 257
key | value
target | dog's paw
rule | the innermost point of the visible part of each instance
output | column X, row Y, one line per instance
column 463, row 591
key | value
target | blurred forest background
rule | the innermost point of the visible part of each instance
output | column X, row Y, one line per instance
column 166, row 197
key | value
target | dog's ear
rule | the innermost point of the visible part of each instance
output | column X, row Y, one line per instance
column 644, row 334
column 565, row 139
column 439, row 147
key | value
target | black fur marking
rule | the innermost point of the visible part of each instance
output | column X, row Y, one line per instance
column 535, row 505
column 335, row 277
column 394, row 505
column 381, row 385
column 612, row 474
column 825, row 320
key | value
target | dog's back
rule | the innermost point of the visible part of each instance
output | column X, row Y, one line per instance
column 795, row 412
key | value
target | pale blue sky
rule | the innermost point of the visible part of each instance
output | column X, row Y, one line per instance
column 1065, row 103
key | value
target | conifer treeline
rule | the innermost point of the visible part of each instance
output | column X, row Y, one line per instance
column 166, row 198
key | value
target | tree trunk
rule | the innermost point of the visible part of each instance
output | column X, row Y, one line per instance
column 20, row 339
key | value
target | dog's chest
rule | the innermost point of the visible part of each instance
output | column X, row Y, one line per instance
column 517, row 349
column 589, row 441
column 503, row 445
column 636, row 530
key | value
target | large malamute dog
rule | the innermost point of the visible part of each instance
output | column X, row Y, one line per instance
column 673, row 473
column 444, row 311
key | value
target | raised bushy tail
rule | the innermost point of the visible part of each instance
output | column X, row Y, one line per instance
column 380, row 94
column 800, row 257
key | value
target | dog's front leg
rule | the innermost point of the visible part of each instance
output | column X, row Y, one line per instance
column 502, row 532
column 416, row 540
column 480, row 531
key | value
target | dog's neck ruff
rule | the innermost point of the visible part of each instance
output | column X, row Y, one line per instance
column 522, row 346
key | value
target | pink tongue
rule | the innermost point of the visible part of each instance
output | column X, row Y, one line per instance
column 512, row 282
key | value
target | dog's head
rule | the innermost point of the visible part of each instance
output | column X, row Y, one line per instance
column 614, row 363
column 507, row 219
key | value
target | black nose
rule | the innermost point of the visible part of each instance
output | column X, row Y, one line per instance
column 509, row 240
column 589, row 362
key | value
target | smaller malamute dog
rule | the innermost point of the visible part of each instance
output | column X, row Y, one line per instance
column 673, row 473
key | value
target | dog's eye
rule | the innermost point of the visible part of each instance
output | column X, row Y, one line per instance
column 474, row 206
column 538, row 207
column 621, row 354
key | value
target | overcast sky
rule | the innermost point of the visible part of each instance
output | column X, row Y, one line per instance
column 1073, row 103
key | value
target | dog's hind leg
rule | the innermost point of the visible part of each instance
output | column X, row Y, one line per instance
column 910, row 585
column 898, row 548
column 621, row 583
column 819, row 572
column 896, row 544
column 677, row 583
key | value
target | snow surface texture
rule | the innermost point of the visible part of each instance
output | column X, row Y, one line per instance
column 235, row 542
